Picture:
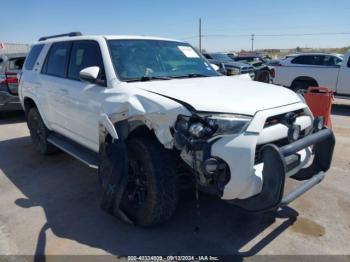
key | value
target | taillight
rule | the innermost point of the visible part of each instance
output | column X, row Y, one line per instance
column 10, row 82
column 10, row 78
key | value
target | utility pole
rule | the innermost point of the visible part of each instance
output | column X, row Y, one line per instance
column 252, row 42
column 200, row 35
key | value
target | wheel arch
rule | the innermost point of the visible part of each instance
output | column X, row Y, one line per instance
column 308, row 79
column 127, row 129
column 28, row 103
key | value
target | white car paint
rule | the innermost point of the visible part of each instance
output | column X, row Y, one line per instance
column 204, row 93
column 81, row 111
column 335, row 77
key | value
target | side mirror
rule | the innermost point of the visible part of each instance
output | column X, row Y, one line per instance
column 89, row 74
column 216, row 68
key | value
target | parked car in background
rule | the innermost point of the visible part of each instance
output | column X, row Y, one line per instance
column 227, row 66
column 304, row 70
column 10, row 66
column 263, row 72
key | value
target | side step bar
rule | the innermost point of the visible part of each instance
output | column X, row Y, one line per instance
column 87, row 156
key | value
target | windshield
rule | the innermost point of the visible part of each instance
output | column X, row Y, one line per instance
column 221, row 58
column 137, row 60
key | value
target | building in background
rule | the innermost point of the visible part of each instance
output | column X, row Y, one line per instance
column 13, row 48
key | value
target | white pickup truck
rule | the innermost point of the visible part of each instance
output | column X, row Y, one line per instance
column 304, row 70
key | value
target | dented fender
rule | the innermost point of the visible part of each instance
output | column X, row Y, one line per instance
column 106, row 122
column 155, row 111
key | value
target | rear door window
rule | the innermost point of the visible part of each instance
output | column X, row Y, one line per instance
column 304, row 60
column 32, row 57
column 84, row 54
column 57, row 60
column 319, row 60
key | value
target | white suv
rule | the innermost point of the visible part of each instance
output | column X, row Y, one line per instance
column 147, row 111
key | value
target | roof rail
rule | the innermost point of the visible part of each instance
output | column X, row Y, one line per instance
column 54, row 36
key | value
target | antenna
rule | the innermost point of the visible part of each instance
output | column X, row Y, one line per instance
column 200, row 35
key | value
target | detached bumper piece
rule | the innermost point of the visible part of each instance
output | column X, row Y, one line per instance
column 277, row 161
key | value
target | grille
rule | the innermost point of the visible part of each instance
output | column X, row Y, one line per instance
column 278, row 143
column 246, row 70
column 273, row 120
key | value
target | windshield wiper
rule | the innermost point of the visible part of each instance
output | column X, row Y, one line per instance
column 148, row 78
column 190, row 76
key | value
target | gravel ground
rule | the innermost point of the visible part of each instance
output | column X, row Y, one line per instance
column 49, row 205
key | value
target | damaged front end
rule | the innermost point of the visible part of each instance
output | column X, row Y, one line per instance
column 194, row 136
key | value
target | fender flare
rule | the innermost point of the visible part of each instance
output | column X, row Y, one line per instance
column 38, row 106
column 106, row 126
column 305, row 78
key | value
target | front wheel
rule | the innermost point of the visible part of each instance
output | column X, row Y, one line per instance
column 151, row 193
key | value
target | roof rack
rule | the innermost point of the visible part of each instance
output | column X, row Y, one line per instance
column 54, row 36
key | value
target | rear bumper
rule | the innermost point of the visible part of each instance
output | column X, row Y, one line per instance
column 276, row 165
column 9, row 102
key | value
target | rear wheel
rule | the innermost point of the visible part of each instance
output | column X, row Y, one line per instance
column 38, row 132
column 301, row 86
column 151, row 193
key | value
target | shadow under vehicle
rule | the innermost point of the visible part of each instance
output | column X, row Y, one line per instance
column 66, row 191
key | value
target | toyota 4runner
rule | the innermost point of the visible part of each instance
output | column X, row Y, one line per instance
column 147, row 111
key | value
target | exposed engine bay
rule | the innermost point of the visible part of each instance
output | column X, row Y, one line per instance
column 193, row 137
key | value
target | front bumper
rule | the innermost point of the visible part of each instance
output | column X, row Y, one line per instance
column 9, row 102
column 276, row 167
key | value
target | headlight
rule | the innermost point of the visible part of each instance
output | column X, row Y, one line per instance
column 205, row 126
column 232, row 71
column 229, row 123
column 197, row 130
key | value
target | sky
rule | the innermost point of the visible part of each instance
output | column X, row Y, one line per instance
column 226, row 24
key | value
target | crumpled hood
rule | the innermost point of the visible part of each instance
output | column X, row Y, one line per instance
column 222, row 94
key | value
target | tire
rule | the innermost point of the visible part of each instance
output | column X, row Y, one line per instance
column 39, row 132
column 151, row 194
column 264, row 76
column 301, row 85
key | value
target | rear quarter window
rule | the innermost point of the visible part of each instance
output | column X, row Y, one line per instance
column 32, row 57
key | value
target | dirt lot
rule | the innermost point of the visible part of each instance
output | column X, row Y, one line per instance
column 50, row 205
